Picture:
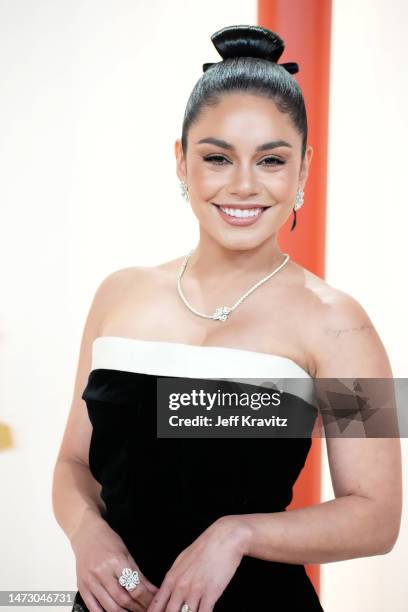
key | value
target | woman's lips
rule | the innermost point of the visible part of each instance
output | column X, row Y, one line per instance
column 239, row 220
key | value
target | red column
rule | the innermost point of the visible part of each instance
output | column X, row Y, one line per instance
column 305, row 26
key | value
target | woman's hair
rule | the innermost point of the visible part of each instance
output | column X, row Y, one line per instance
column 249, row 64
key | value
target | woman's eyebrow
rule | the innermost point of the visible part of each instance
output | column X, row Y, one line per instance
column 226, row 145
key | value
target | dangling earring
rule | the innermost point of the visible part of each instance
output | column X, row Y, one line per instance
column 184, row 190
column 299, row 199
column 298, row 203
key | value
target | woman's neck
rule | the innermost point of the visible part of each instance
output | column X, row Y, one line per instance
column 212, row 260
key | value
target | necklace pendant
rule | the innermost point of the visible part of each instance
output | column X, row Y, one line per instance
column 221, row 313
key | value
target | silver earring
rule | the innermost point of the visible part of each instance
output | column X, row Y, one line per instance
column 184, row 190
column 299, row 199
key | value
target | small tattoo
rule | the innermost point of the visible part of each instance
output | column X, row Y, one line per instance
column 337, row 332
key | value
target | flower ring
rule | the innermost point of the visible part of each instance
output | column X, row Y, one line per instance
column 129, row 579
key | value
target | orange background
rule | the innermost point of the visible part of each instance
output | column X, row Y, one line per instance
column 306, row 27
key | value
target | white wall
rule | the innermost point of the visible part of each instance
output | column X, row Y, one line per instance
column 366, row 237
column 89, row 114
column 92, row 99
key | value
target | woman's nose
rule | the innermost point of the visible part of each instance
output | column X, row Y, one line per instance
column 243, row 182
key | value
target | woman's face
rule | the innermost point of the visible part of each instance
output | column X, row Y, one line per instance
column 240, row 153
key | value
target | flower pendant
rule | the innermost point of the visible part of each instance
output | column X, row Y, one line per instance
column 221, row 313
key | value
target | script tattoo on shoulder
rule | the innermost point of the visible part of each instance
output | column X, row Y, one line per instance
column 347, row 330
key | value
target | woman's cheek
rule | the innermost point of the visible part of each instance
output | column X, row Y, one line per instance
column 208, row 184
column 280, row 186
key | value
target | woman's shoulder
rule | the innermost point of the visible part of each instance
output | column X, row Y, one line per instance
column 340, row 334
column 130, row 274
column 120, row 282
column 329, row 302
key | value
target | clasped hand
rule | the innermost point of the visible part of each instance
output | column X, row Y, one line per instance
column 202, row 571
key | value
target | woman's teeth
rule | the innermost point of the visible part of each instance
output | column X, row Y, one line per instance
column 235, row 212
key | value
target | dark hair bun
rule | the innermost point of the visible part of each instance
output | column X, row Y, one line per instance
column 250, row 41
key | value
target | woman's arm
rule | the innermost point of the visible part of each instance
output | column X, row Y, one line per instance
column 364, row 519
column 76, row 496
column 100, row 552
column 75, row 492
column 343, row 528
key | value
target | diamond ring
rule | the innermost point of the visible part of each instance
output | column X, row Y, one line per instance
column 129, row 579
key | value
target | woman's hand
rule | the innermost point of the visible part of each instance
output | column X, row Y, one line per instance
column 202, row 571
column 100, row 557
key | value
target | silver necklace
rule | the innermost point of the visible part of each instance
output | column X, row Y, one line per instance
column 221, row 313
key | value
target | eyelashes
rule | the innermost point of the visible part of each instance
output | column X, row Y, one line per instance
column 218, row 160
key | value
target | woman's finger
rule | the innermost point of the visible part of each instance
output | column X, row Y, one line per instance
column 149, row 585
column 90, row 602
column 206, row 604
column 161, row 598
column 111, row 604
column 140, row 593
column 177, row 601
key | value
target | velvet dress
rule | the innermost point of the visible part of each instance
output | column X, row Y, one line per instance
column 162, row 492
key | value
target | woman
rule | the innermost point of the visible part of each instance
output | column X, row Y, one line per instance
column 170, row 524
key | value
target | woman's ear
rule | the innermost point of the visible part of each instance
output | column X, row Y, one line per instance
column 180, row 161
column 304, row 170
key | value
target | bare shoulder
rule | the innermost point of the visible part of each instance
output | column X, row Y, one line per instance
column 340, row 334
column 122, row 276
column 119, row 281
column 113, row 288
column 136, row 282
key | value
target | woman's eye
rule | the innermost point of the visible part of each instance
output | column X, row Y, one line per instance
column 219, row 160
column 216, row 159
column 274, row 161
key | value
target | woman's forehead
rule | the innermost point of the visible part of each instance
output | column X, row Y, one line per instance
column 229, row 127
column 234, row 109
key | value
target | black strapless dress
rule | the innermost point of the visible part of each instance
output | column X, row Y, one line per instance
column 161, row 493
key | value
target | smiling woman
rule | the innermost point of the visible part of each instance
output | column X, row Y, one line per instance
column 239, row 174
column 194, row 524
